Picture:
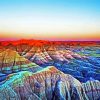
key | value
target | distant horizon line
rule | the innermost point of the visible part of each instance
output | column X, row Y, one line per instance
column 53, row 40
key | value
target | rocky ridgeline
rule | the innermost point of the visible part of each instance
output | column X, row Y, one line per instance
column 47, row 84
column 46, row 56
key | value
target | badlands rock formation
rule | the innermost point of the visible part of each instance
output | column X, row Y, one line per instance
column 44, row 70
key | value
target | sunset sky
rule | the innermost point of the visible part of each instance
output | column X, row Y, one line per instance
column 50, row 19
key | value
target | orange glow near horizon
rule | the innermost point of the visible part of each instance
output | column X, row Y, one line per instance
column 52, row 36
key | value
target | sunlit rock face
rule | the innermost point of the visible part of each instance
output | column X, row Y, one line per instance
column 47, row 84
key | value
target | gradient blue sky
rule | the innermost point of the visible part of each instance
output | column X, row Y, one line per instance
column 72, row 19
